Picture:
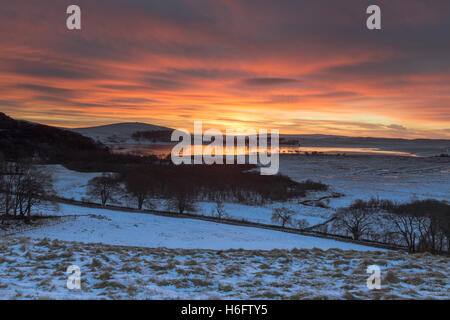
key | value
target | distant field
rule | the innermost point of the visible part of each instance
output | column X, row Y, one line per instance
column 35, row 269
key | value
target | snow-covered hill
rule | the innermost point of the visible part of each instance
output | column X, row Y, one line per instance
column 117, row 133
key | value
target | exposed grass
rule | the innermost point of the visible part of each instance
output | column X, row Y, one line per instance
column 37, row 269
column 109, row 285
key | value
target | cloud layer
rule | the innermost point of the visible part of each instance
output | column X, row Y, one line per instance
column 301, row 66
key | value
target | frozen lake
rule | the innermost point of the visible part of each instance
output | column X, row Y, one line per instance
column 364, row 176
column 163, row 150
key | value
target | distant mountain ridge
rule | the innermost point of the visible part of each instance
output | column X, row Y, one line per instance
column 118, row 132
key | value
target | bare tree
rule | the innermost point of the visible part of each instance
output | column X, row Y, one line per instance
column 15, row 185
column 283, row 216
column 218, row 210
column 422, row 224
column 182, row 198
column 104, row 187
column 24, row 183
column 432, row 226
column 8, row 187
column 445, row 227
column 23, row 187
column 355, row 220
column 36, row 188
column 407, row 227
column 140, row 186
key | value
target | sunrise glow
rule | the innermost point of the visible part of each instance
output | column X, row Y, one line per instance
column 300, row 67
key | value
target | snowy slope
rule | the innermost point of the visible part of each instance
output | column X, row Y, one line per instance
column 144, row 230
column 70, row 184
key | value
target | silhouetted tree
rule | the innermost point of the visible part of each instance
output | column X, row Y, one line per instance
column 23, row 187
column 8, row 185
column 36, row 187
column 104, row 187
column 356, row 220
column 140, row 185
column 182, row 196
column 218, row 210
column 422, row 224
column 283, row 216
column 408, row 228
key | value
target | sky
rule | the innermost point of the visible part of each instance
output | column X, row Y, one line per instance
column 300, row 66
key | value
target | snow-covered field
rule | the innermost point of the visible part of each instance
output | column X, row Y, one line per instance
column 70, row 184
column 36, row 269
column 146, row 230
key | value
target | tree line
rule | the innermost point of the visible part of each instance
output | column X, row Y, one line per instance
column 419, row 225
column 183, row 185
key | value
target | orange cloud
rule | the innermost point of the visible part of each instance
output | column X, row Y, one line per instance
column 299, row 67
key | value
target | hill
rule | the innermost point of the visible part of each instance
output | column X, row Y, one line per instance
column 119, row 132
column 22, row 139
